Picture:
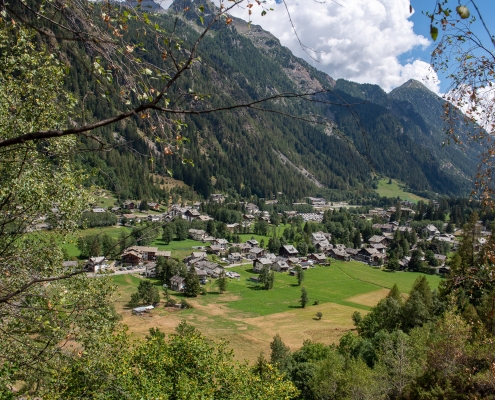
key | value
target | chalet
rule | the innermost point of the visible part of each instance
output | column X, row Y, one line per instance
column 319, row 258
column 99, row 210
column 293, row 261
column 223, row 243
column 163, row 253
column 378, row 259
column 235, row 257
column 256, row 252
column 154, row 206
column 446, row 237
column 339, row 254
column 215, row 249
column 129, row 217
column 202, row 275
column 252, row 242
column 177, row 283
column 244, row 247
column 197, row 234
column 232, row 227
column 199, row 254
column 129, row 205
column 132, row 257
column 212, row 269
column 150, row 270
column 261, row 263
column 352, row 252
column 248, row 217
column 366, row 254
column 319, row 237
column 404, row 229
column 217, row 198
column 116, row 209
column 148, row 253
column 154, row 218
column 252, row 208
column 380, row 247
column 280, row 265
column 431, row 230
column 191, row 215
column 377, row 240
column 96, row 264
column 288, row 251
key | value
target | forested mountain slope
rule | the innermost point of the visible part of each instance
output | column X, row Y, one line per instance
column 251, row 152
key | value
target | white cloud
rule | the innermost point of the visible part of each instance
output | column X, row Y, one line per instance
column 361, row 40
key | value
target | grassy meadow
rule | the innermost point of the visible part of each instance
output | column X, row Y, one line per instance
column 395, row 190
column 249, row 317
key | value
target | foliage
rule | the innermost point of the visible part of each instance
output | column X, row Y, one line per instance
column 43, row 305
column 280, row 355
column 267, row 277
column 186, row 366
column 464, row 51
column 193, row 287
column 222, row 282
column 300, row 275
column 304, row 298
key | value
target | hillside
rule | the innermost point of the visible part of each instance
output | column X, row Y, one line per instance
column 248, row 152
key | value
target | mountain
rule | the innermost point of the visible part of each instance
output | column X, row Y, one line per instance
column 249, row 152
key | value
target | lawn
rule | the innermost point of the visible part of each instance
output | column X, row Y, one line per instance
column 249, row 317
column 395, row 190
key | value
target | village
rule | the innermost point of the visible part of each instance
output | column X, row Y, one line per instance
column 217, row 254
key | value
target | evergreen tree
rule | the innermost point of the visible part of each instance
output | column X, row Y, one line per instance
column 222, row 282
column 304, row 298
column 416, row 264
column 280, row 354
column 266, row 277
column 193, row 288
column 274, row 245
column 300, row 275
column 168, row 233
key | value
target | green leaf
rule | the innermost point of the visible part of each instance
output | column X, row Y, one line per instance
column 433, row 32
column 201, row 8
column 202, row 20
column 263, row 13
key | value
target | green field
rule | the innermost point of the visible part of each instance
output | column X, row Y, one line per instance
column 70, row 243
column 248, row 317
column 395, row 190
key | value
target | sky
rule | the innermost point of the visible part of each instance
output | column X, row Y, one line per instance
column 366, row 41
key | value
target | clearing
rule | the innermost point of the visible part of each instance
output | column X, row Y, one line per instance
column 396, row 189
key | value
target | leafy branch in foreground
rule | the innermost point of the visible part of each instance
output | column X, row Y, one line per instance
column 465, row 52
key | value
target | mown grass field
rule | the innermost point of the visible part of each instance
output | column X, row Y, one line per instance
column 394, row 190
column 249, row 317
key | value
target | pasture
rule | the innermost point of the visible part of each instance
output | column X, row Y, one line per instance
column 248, row 317
column 395, row 190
